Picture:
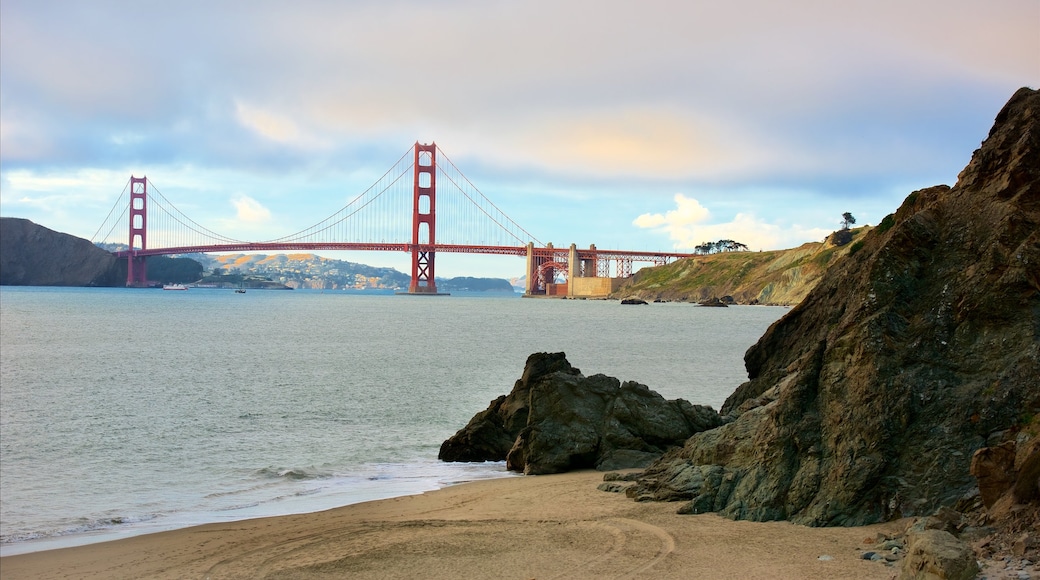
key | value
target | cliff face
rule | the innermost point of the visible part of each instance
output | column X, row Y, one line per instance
column 32, row 255
column 868, row 399
column 774, row 277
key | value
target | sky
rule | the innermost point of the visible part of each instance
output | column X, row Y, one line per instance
column 651, row 125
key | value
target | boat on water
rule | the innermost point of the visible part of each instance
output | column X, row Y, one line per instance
column 174, row 287
column 240, row 291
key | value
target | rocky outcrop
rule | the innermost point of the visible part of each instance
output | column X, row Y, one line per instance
column 32, row 255
column 867, row 400
column 713, row 302
column 555, row 419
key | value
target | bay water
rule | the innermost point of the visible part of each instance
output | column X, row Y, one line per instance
column 131, row 411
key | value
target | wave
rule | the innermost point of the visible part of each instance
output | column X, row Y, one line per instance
column 259, row 493
column 292, row 473
column 82, row 527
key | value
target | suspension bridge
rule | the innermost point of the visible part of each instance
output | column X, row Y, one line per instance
column 395, row 214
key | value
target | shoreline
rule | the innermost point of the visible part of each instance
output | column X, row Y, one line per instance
column 522, row 527
column 372, row 482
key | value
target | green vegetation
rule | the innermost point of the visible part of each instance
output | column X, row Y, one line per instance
column 886, row 223
column 168, row 270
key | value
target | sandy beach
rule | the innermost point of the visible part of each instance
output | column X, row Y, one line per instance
column 543, row 527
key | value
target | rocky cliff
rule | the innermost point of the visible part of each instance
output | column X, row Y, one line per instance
column 867, row 401
column 774, row 277
column 32, row 255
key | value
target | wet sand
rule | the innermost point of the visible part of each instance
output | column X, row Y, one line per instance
column 556, row 526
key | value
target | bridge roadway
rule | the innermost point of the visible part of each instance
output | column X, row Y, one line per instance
column 587, row 264
column 583, row 254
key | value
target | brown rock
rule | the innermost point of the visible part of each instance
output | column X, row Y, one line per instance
column 937, row 555
column 1023, row 544
column 994, row 467
column 1027, row 465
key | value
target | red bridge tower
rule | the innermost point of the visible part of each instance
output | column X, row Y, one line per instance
column 424, row 220
column 136, row 267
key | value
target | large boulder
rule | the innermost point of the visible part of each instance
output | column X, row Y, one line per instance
column 867, row 400
column 937, row 555
column 555, row 419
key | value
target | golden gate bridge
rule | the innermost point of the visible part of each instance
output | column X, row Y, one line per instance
column 395, row 214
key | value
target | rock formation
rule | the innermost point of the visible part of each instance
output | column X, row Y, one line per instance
column 32, row 255
column 867, row 401
column 555, row 419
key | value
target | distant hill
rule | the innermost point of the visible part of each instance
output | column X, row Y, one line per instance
column 319, row 273
column 32, row 255
column 773, row 277
column 308, row 271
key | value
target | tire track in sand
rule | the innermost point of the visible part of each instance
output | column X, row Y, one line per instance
column 621, row 529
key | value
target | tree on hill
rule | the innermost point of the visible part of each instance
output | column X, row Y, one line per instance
column 843, row 235
column 720, row 246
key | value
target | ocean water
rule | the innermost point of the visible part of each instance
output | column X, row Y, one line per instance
column 131, row 411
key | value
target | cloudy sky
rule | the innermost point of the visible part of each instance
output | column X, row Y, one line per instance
column 632, row 125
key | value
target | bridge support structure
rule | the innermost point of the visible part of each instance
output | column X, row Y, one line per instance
column 542, row 265
column 587, row 271
column 424, row 221
column 136, row 267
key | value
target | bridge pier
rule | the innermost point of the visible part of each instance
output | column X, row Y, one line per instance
column 541, row 271
column 587, row 276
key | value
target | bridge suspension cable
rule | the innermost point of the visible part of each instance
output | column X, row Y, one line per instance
column 385, row 215
column 381, row 215
column 120, row 202
column 513, row 233
column 175, row 229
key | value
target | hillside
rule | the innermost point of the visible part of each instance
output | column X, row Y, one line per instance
column 32, row 255
column 315, row 272
column 774, row 277
column 306, row 271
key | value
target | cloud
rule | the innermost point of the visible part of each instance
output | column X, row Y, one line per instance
column 687, row 213
column 275, row 126
column 604, row 108
column 685, row 226
column 266, row 123
column 250, row 211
